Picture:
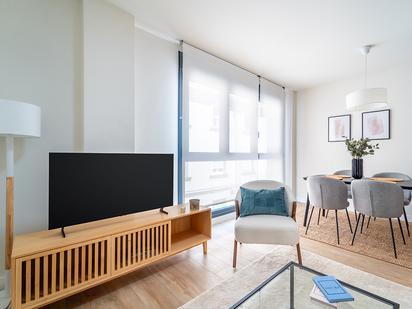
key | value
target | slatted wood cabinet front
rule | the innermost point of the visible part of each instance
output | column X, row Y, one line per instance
column 47, row 276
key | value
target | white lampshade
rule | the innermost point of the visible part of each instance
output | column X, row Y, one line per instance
column 19, row 119
column 367, row 99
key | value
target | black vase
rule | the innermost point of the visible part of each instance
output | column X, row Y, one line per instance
column 357, row 168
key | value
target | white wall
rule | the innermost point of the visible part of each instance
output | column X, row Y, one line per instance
column 108, row 78
column 156, row 83
column 315, row 155
column 40, row 63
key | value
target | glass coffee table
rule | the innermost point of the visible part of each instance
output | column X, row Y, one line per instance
column 290, row 287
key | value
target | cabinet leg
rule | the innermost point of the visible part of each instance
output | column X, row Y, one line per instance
column 205, row 247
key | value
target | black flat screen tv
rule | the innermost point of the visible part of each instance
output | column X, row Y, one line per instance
column 85, row 187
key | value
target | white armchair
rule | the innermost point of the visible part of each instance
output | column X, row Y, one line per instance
column 266, row 229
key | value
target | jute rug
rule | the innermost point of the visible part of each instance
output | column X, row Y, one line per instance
column 375, row 241
column 231, row 290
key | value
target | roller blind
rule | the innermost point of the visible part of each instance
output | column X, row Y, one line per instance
column 229, row 135
column 271, row 131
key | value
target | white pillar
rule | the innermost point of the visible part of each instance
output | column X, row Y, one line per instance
column 5, row 294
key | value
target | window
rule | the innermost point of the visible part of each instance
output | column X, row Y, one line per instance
column 229, row 136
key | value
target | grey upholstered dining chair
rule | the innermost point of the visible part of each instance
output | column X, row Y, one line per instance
column 330, row 194
column 266, row 229
column 406, row 193
column 378, row 199
column 345, row 173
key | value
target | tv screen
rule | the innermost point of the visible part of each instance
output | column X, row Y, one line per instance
column 86, row 187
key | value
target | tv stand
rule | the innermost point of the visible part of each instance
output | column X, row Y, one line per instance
column 63, row 233
column 46, row 267
column 163, row 211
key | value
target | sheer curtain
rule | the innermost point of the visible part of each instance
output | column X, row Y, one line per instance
column 229, row 136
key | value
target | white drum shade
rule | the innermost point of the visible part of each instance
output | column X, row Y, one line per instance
column 367, row 99
column 19, row 119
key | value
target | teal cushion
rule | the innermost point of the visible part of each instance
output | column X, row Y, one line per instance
column 263, row 202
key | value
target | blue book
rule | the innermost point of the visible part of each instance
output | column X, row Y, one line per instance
column 332, row 289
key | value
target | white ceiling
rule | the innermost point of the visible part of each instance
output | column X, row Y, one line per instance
column 297, row 43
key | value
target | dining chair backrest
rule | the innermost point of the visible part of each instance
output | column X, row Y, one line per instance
column 327, row 193
column 406, row 193
column 377, row 199
column 343, row 172
column 268, row 185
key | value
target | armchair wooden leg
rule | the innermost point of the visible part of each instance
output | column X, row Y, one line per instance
column 234, row 253
column 299, row 253
column 400, row 226
column 369, row 221
column 406, row 221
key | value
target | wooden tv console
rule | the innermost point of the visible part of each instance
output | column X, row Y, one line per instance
column 47, row 267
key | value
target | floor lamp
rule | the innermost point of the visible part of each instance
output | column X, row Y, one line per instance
column 17, row 119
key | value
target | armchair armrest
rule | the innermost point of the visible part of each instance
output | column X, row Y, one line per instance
column 237, row 207
column 293, row 213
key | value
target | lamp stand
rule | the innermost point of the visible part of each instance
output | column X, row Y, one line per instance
column 5, row 294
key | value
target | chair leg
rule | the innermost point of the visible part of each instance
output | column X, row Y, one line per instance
column 369, row 221
column 299, row 253
column 337, row 224
column 374, row 218
column 327, row 213
column 356, row 228
column 350, row 224
column 319, row 215
column 400, row 226
column 310, row 217
column 363, row 220
column 406, row 221
column 393, row 238
column 234, row 253
column 305, row 218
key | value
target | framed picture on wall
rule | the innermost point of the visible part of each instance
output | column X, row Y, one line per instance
column 376, row 125
column 339, row 128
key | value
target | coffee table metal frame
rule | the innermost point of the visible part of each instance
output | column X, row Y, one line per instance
column 291, row 265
